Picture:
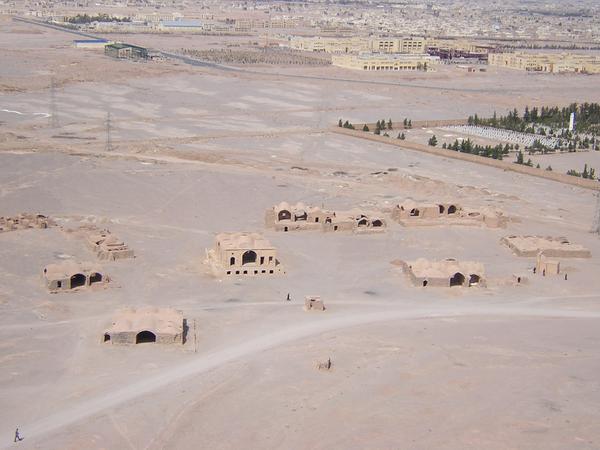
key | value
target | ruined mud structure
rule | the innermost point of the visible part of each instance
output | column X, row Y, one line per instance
column 313, row 303
column 286, row 217
column 243, row 254
column 546, row 266
column 106, row 245
column 70, row 275
column 146, row 325
column 24, row 221
column 409, row 213
column 554, row 247
column 445, row 273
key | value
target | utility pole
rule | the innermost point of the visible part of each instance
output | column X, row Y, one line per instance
column 109, row 147
column 53, row 119
column 596, row 224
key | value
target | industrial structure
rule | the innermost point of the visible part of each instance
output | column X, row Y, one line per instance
column 121, row 50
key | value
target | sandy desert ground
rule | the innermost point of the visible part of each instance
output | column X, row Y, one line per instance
column 199, row 151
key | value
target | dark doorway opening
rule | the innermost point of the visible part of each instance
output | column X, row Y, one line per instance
column 232, row 261
column 249, row 257
column 284, row 215
column 451, row 209
column 95, row 278
column 425, row 283
column 77, row 280
column 414, row 212
column 144, row 337
column 442, row 209
column 474, row 280
column 362, row 222
column 377, row 223
column 457, row 280
column 106, row 337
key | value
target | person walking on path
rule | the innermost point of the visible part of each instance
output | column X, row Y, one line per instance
column 17, row 435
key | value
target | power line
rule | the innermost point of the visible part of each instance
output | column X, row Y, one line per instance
column 108, row 147
column 53, row 119
column 596, row 224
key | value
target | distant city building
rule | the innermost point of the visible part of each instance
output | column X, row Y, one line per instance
column 180, row 25
column 547, row 62
column 389, row 62
column 125, row 51
column 358, row 44
column 91, row 43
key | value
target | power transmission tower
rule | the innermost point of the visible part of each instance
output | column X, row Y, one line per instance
column 596, row 224
column 109, row 147
column 53, row 119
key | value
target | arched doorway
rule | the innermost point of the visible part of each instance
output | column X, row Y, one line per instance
column 377, row 223
column 77, row 280
column 144, row 337
column 106, row 337
column 232, row 261
column 451, row 209
column 248, row 257
column 457, row 280
column 442, row 209
column 425, row 282
column 95, row 278
column 474, row 279
column 284, row 214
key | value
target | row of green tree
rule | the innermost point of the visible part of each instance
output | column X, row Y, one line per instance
column 587, row 118
column 85, row 18
column 589, row 174
column 467, row 146
column 345, row 124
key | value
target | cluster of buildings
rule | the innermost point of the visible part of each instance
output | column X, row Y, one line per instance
column 286, row 217
column 393, row 53
column 243, row 254
column 411, row 213
column 24, row 221
column 547, row 62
